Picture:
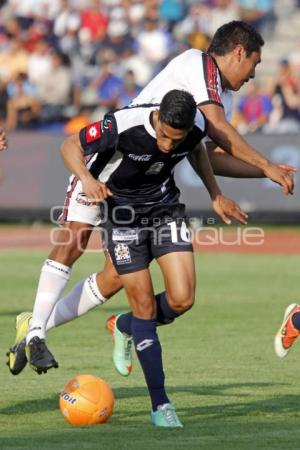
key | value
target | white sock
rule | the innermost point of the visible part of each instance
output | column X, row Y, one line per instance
column 84, row 296
column 53, row 279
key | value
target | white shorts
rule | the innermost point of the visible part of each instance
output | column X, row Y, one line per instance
column 76, row 207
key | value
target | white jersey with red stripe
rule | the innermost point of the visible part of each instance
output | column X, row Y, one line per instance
column 193, row 71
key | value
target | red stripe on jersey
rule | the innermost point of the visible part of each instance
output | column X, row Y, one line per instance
column 93, row 132
column 211, row 78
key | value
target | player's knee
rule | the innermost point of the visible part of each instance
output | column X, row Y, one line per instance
column 67, row 252
column 143, row 306
column 71, row 242
column 181, row 301
column 109, row 283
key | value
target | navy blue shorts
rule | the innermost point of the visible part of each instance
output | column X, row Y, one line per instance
column 133, row 246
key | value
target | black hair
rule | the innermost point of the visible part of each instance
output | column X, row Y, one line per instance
column 178, row 109
column 234, row 33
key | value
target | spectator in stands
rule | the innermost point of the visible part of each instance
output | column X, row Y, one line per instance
column 118, row 39
column 94, row 21
column 130, row 89
column 39, row 61
column 54, row 89
column 171, row 12
column 154, row 43
column 23, row 106
column 258, row 13
column 13, row 60
column 222, row 12
column 195, row 28
column 109, row 87
column 254, row 109
column 66, row 16
column 286, row 98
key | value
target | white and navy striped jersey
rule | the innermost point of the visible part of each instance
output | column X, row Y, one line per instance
column 195, row 72
column 128, row 158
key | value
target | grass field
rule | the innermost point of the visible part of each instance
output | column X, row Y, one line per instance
column 230, row 390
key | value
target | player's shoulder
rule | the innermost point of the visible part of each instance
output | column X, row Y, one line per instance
column 191, row 54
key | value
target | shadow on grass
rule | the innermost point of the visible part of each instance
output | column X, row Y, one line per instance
column 288, row 403
column 32, row 406
column 238, row 425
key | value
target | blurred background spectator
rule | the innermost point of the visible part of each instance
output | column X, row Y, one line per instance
column 254, row 109
column 64, row 63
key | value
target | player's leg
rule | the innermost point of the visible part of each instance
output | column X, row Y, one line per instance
column 288, row 331
column 180, row 295
column 71, row 241
column 86, row 295
column 138, row 286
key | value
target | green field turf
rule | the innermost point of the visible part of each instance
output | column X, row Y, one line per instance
column 230, row 390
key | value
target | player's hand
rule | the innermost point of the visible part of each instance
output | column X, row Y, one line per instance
column 281, row 175
column 288, row 168
column 226, row 208
column 3, row 141
column 95, row 190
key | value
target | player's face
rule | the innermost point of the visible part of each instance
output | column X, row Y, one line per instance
column 244, row 68
column 168, row 138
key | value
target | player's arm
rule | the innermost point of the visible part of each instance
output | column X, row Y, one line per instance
column 225, row 165
column 73, row 155
column 3, row 140
column 226, row 137
column 223, row 206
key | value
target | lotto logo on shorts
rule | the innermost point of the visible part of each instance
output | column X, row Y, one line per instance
column 93, row 132
column 122, row 254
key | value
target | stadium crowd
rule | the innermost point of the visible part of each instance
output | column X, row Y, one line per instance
column 64, row 63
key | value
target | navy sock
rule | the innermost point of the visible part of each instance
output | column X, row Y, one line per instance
column 165, row 314
column 148, row 350
column 124, row 323
column 296, row 320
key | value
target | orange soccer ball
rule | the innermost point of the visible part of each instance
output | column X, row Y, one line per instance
column 86, row 400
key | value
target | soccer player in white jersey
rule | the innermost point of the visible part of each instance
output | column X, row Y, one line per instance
column 231, row 60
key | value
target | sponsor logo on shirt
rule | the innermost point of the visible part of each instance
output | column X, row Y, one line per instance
column 124, row 235
column 139, row 157
column 177, row 155
column 93, row 132
column 155, row 168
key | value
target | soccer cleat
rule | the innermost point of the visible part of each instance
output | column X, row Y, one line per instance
column 122, row 347
column 16, row 355
column 287, row 333
column 39, row 356
column 165, row 416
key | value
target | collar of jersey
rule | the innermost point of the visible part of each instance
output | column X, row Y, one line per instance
column 147, row 123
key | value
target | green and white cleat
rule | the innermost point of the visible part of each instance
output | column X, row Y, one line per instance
column 17, row 359
column 122, row 347
column 165, row 416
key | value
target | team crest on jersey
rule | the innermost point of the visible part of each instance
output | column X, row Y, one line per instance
column 93, row 132
column 122, row 254
column 155, row 168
